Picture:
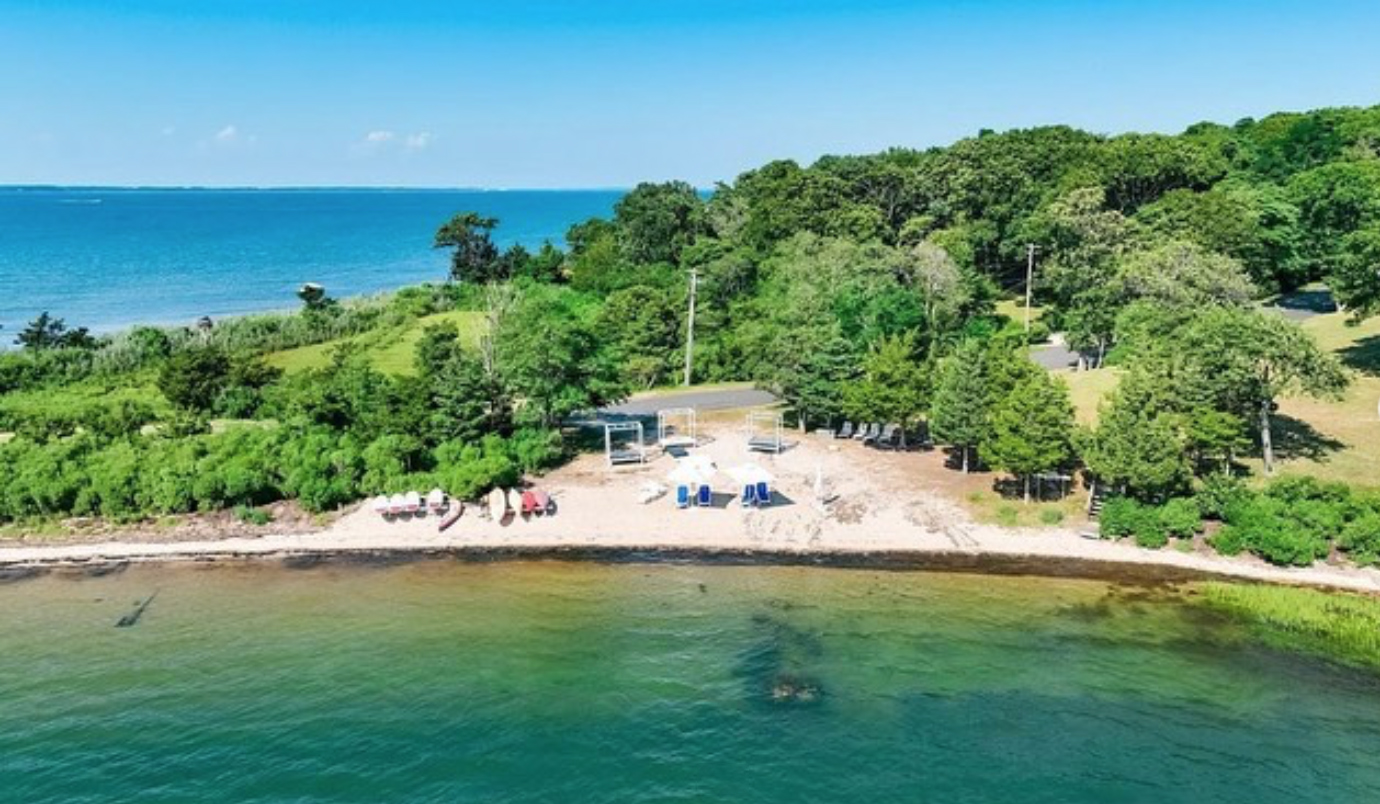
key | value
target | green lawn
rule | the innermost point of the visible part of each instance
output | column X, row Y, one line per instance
column 1328, row 439
column 1087, row 389
column 390, row 349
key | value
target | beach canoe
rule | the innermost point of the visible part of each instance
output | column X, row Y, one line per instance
column 396, row 504
column 381, row 504
column 412, row 502
column 529, row 503
column 514, row 500
column 498, row 504
column 452, row 516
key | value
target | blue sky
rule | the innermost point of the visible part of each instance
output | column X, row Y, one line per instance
column 582, row 94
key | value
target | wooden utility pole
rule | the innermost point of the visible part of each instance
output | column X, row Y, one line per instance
column 690, row 324
column 1029, row 280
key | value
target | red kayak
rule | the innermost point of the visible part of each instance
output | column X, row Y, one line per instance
column 529, row 503
column 451, row 517
column 543, row 502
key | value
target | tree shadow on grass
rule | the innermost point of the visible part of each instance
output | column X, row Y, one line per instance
column 1363, row 356
column 1302, row 304
column 1011, row 488
column 1295, row 438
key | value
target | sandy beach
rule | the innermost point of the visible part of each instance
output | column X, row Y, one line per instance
column 878, row 504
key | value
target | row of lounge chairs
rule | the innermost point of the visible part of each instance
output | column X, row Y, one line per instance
column 876, row 434
column 756, row 494
column 703, row 496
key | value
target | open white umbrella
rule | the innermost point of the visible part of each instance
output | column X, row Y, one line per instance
column 749, row 474
column 699, row 463
column 684, row 475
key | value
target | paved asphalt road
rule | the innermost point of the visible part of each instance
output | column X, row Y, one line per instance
column 723, row 399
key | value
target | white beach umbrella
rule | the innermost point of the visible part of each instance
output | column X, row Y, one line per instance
column 699, row 463
column 753, row 473
column 684, row 475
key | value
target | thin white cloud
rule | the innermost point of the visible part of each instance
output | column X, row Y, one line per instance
column 418, row 141
column 230, row 137
column 378, row 137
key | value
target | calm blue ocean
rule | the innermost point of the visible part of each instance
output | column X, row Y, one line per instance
column 107, row 258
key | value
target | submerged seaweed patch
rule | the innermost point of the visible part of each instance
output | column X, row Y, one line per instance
column 775, row 668
column 17, row 574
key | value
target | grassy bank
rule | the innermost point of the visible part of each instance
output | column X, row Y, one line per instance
column 1336, row 625
column 390, row 350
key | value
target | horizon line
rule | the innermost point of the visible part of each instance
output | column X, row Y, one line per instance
column 310, row 187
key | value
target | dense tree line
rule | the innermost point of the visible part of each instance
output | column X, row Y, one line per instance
column 860, row 287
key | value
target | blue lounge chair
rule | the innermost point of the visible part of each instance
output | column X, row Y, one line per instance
column 682, row 496
column 749, row 495
column 705, row 496
column 763, row 494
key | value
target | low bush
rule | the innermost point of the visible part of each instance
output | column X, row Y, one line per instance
column 1119, row 518
column 1181, row 517
column 1264, row 525
column 1218, row 492
column 252, row 516
column 1361, row 539
column 1150, row 525
column 1051, row 516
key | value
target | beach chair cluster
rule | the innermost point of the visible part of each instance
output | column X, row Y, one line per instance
column 698, row 496
column 875, row 434
column 755, row 495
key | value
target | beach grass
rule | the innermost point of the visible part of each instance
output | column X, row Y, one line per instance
column 389, row 349
column 1337, row 625
column 991, row 508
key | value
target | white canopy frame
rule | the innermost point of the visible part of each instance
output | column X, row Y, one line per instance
column 624, row 442
column 677, row 427
column 765, row 431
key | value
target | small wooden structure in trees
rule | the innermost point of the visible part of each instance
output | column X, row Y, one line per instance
column 677, row 427
column 764, row 431
column 624, row 443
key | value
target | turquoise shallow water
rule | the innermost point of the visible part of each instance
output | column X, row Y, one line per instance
column 107, row 258
column 441, row 681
